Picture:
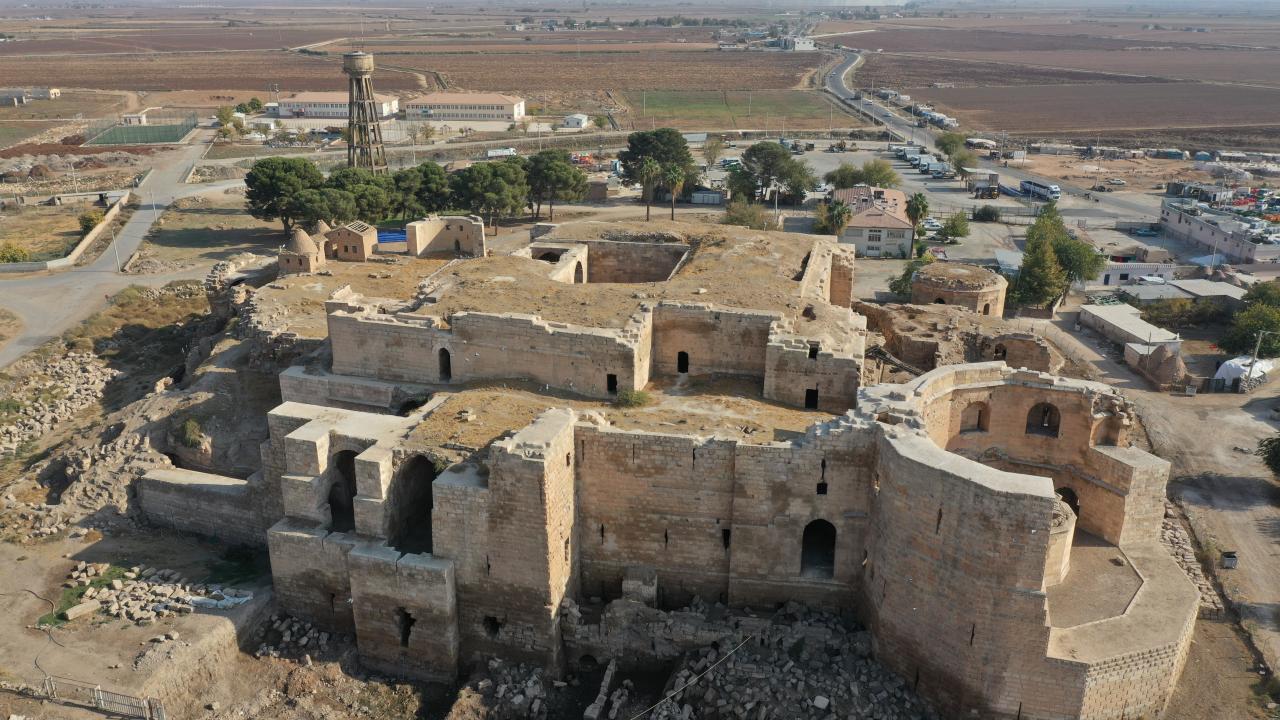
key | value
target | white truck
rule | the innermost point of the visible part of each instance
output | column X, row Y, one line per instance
column 500, row 152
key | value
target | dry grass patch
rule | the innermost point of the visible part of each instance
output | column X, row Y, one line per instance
column 10, row 325
column 208, row 229
column 45, row 232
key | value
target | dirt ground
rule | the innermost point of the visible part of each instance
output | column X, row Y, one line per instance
column 46, row 232
column 1140, row 173
column 9, row 326
column 203, row 230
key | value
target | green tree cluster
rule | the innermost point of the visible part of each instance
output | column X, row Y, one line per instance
column 769, row 165
column 1259, row 318
column 1052, row 260
column 955, row 226
column 658, row 160
column 832, row 218
column 876, row 173
column 551, row 177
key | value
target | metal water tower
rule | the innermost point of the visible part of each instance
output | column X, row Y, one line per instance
column 364, row 146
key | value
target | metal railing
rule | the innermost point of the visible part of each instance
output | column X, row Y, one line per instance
column 80, row 693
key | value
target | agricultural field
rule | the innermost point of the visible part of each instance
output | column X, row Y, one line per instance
column 658, row 70
column 1253, row 67
column 12, row 133
column 1126, row 106
column 192, row 71
column 45, row 232
column 907, row 72
column 71, row 103
column 768, row 109
column 172, row 40
column 935, row 41
column 206, row 229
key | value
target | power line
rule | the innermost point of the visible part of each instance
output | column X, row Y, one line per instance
column 695, row 679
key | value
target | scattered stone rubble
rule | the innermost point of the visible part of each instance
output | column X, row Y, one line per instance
column 518, row 691
column 51, row 393
column 144, row 594
column 1174, row 537
column 800, row 663
column 284, row 636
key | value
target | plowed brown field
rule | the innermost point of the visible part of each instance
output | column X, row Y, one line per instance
column 1129, row 106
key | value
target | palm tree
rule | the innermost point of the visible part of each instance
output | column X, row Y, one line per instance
column 838, row 215
column 648, row 174
column 917, row 209
column 674, row 176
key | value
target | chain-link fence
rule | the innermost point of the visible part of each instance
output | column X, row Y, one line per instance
column 159, row 128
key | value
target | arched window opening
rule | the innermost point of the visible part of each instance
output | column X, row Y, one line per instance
column 986, row 309
column 1001, row 352
column 682, row 362
column 409, row 505
column 939, row 301
column 342, row 493
column 975, row 418
column 577, row 274
column 1069, row 497
column 1043, row 419
column 818, row 551
column 446, row 366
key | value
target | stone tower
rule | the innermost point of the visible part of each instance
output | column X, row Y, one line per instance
column 364, row 148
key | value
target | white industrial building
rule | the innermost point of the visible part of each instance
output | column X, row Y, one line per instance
column 798, row 44
column 576, row 121
column 465, row 106
column 332, row 105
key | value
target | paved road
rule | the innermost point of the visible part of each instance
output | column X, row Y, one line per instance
column 51, row 303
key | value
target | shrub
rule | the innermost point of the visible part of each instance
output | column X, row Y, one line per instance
column 987, row 213
column 747, row 215
column 190, row 433
column 632, row 398
column 10, row 253
column 89, row 220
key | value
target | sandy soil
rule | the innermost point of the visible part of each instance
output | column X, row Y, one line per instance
column 45, row 232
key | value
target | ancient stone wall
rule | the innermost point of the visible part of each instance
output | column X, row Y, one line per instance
column 632, row 262
column 731, row 342
column 660, row 501
column 482, row 346
column 447, row 234
column 405, row 612
column 952, row 608
column 211, row 505
column 796, row 368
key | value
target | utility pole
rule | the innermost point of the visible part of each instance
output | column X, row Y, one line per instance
column 1256, row 347
column 116, row 248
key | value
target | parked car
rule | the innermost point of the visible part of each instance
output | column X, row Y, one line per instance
column 1116, row 181
column 932, row 225
column 1145, row 232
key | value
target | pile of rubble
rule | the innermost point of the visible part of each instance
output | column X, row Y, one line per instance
column 283, row 636
column 54, row 391
column 517, row 691
column 29, row 520
column 144, row 594
column 1174, row 537
column 800, row 664
column 210, row 173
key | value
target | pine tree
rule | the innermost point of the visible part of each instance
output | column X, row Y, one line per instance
column 1041, row 278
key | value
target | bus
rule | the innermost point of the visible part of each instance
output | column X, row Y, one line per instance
column 1041, row 190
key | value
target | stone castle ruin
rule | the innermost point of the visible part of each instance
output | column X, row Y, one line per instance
column 621, row 420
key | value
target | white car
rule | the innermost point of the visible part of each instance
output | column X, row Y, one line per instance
column 1116, row 181
column 932, row 225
